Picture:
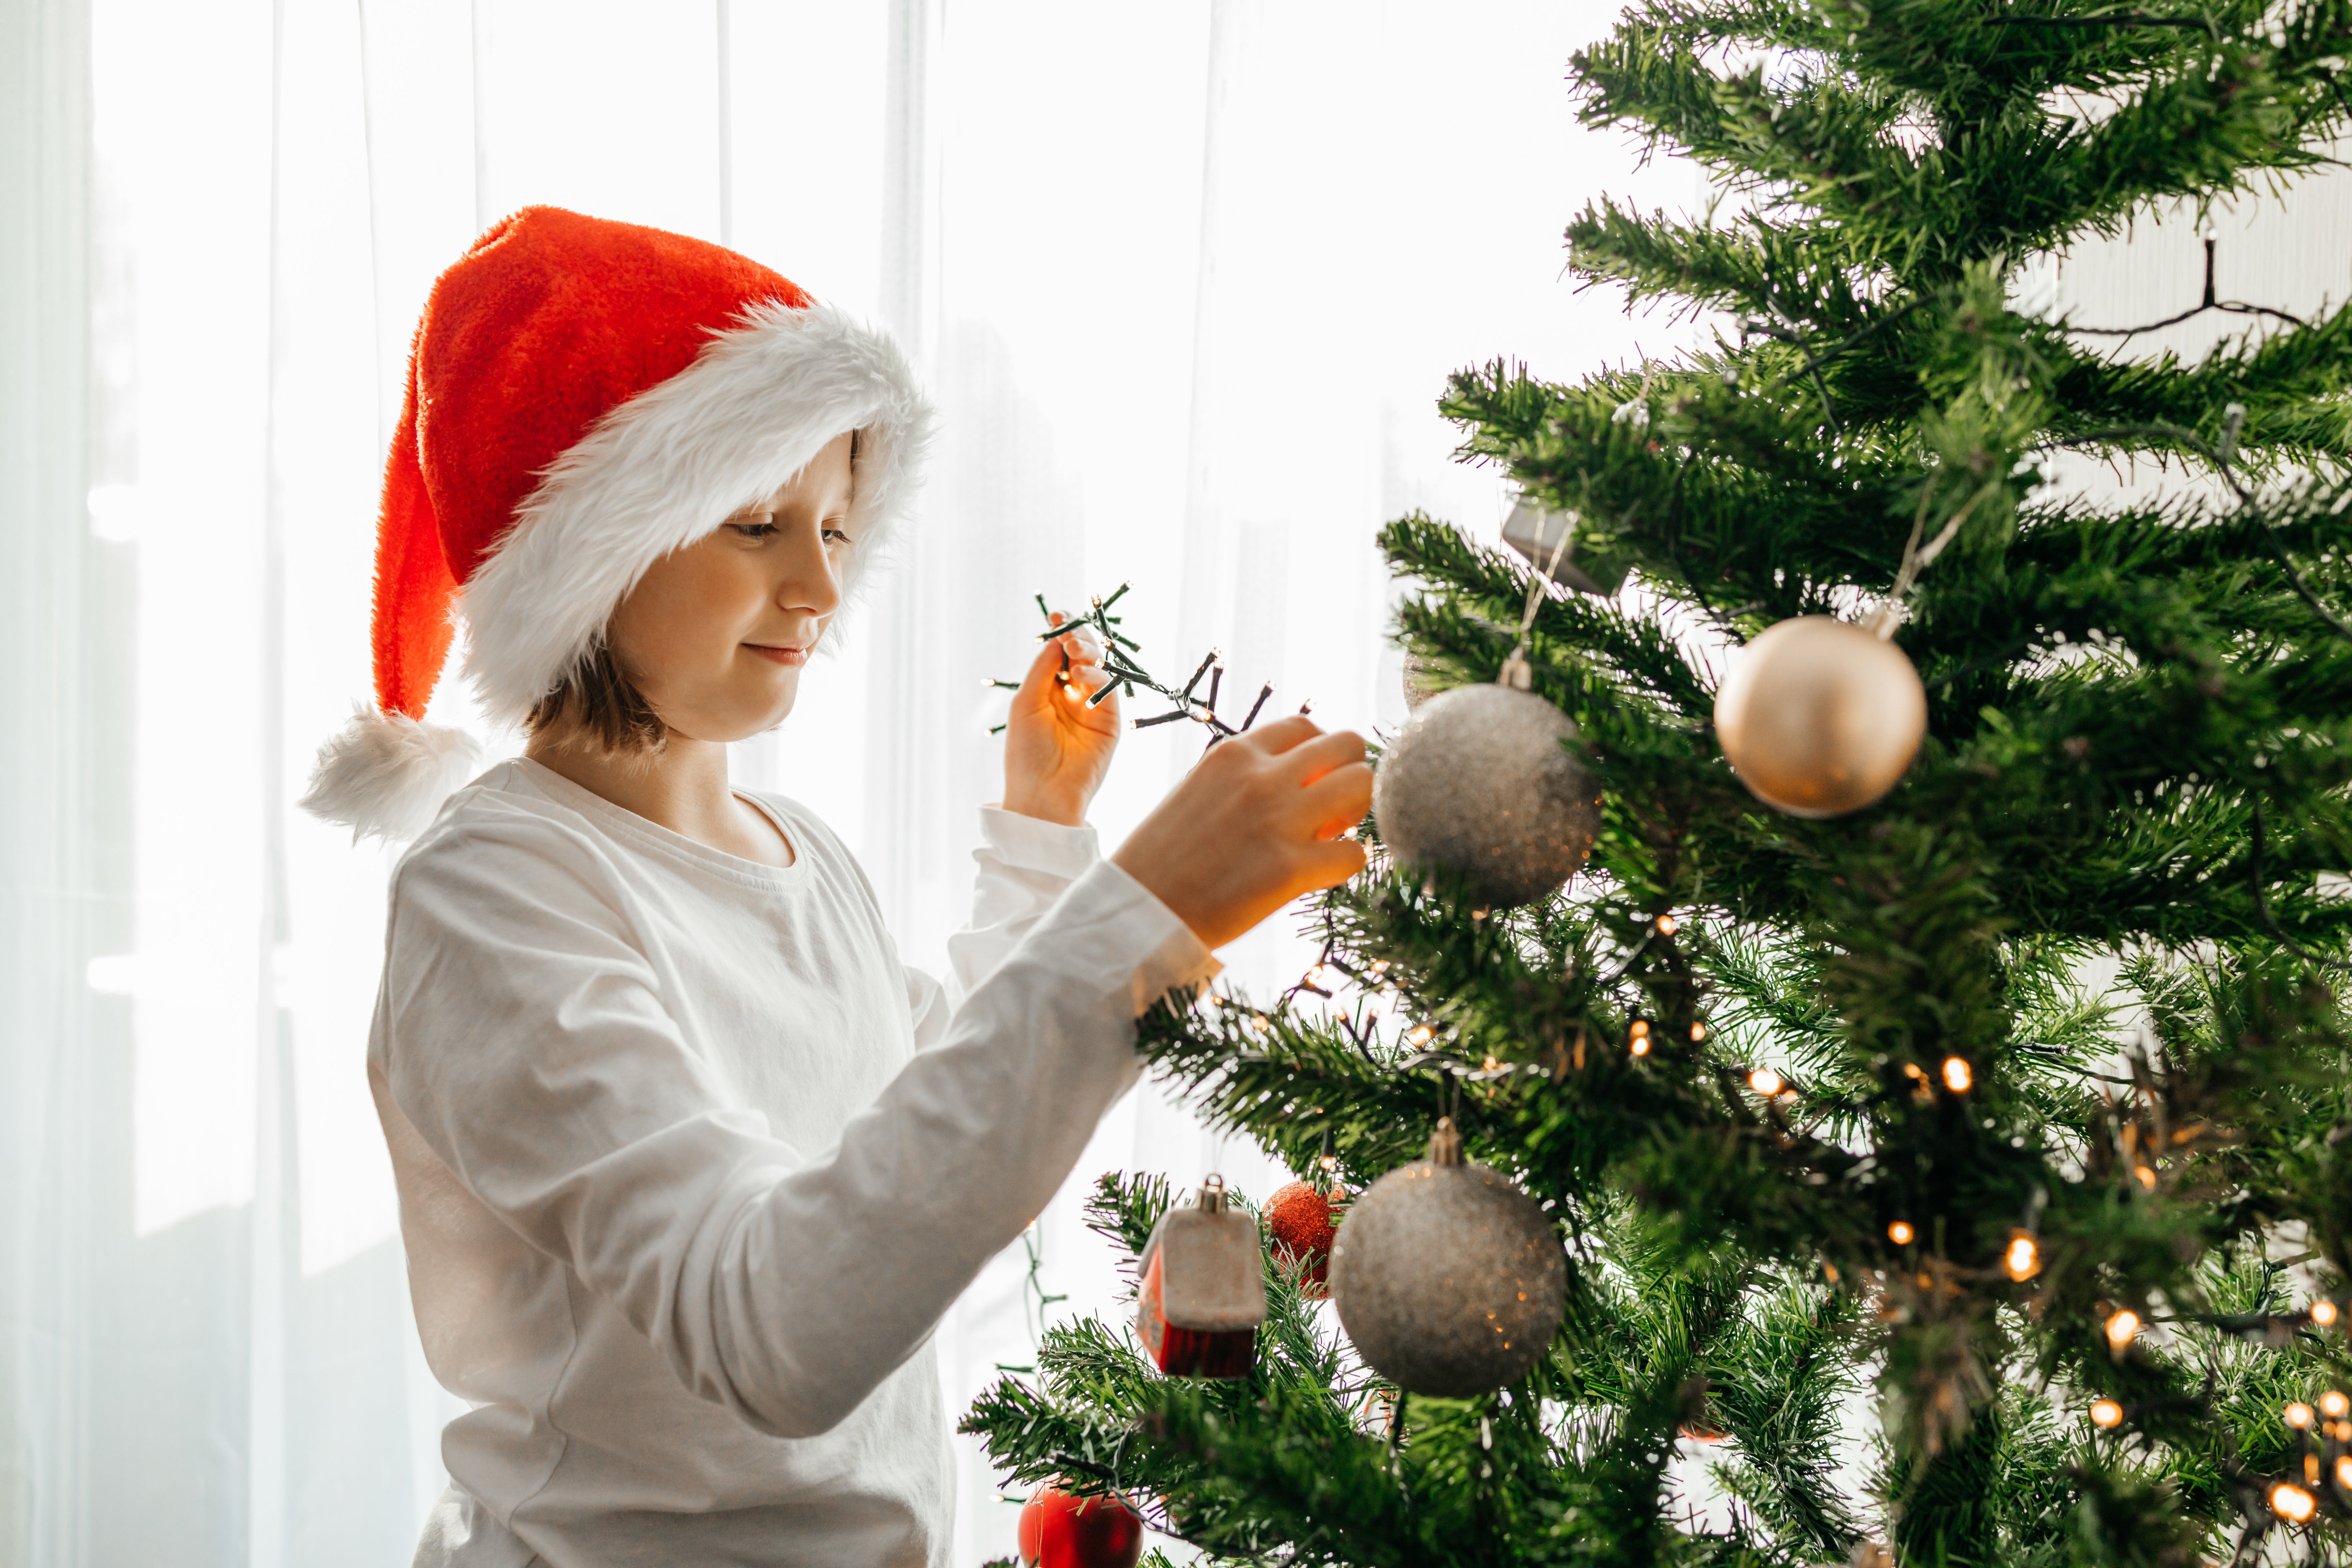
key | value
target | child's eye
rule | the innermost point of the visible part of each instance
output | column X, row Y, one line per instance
column 763, row 527
column 837, row 536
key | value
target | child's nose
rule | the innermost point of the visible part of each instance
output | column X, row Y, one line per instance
column 813, row 583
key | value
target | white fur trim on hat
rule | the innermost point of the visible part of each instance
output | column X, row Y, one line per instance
column 670, row 465
column 384, row 775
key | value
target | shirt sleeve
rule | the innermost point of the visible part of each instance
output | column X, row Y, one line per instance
column 1024, row 863
column 532, row 1052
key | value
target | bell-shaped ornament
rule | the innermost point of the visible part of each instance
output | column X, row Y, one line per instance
column 1203, row 1290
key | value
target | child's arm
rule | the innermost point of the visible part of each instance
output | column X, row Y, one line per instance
column 1024, row 865
column 532, row 1052
column 1260, row 820
column 1057, row 749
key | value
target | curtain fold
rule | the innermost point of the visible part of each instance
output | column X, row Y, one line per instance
column 63, row 899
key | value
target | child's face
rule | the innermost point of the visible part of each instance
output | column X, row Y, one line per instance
column 715, row 635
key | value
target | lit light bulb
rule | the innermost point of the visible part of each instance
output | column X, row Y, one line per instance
column 1900, row 1233
column 2344, row 1472
column 1380, row 966
column 2106, row 1412
column 1641, row 1046
column 1665, row 925
column 2021, row 1259
column 1331, row 1162
column 2298, row 1414
column 1957, row 1077
column 1314, row 976
column 1698, row 1031
column 1420, row 1037
column 2334, row 1403
column 2323, row 1313
column 1641, row 1027
column 2147, row 1176
column 1765, row 1081
column 2124, row 1326
column 2292, row 1503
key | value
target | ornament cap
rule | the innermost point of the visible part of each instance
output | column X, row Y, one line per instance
column 1445, row 1143
column 1212, row 1194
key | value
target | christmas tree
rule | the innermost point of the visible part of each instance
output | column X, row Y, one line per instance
column 1945, row 1143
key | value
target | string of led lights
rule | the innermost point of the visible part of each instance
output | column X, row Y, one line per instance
column 1128, row 675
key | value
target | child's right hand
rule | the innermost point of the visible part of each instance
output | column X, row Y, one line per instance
column 1254, row 826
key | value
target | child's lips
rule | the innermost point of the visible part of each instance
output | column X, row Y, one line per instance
column 784, row 654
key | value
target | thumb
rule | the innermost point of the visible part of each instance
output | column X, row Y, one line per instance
column 1038, row 684
column 1331, row 861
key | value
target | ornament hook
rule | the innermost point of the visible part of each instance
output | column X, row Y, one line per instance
column 1517, row 673
column 1445, row 1143
column 1212, row 1194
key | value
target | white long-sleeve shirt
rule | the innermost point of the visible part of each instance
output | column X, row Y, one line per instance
column 691, row 1165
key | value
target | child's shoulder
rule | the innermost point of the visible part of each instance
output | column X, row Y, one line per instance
column 504, row 821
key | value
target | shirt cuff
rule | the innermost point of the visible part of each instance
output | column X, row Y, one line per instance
column 1032, row 844
column 1120, row 920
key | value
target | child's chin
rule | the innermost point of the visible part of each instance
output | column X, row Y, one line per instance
column 721, row 725
column 774, row 712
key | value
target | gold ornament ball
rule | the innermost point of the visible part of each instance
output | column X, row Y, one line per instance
column 1820, row 717
column 1479, row 782
column 1449, row 1280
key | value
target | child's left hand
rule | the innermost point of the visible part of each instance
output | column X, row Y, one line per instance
column 1057, row 749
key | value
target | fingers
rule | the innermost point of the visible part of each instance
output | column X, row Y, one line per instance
column 1083, row 644
column 1280, row 736
column 1341, row 795
column 1080, row 652
column 1311, row 760
column 1329, row 864
column 1036, row 685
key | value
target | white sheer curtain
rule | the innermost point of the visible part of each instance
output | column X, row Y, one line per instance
column 1187, row 278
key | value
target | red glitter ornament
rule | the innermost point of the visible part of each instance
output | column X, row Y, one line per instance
column 1301, row 1222
column 1059, row 1530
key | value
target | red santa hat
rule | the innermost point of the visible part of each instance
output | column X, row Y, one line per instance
column 583, row 398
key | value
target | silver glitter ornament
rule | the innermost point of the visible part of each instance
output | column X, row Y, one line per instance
column 1477, row 783
column 1448, row 1279
column 1419, row 675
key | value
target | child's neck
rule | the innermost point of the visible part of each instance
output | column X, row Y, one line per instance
column 682, row 788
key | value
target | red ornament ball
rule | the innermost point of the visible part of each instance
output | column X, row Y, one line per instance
column 1059, row 1530
column 1301, row 1222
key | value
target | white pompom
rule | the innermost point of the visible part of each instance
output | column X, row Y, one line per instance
column 385, row 775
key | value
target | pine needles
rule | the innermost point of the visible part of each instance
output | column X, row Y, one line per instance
column 2008, row 1119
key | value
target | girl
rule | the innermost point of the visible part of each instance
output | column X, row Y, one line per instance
column 689, row 1166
